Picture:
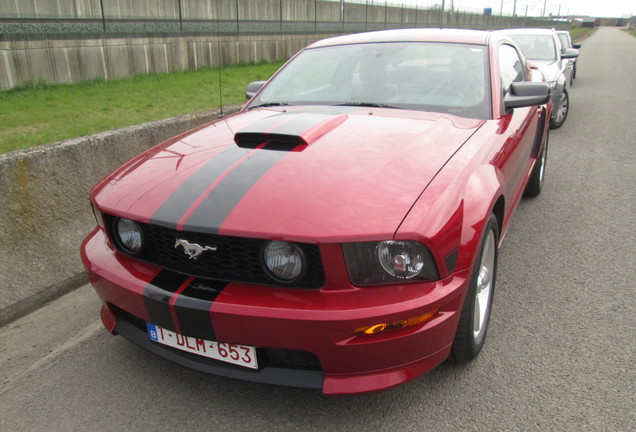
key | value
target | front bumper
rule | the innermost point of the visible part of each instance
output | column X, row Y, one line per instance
column 304, row 338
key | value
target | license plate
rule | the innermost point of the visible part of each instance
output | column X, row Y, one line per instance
column 230, row 353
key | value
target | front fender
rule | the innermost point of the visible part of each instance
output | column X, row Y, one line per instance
column 450, row 215
column 483, row 191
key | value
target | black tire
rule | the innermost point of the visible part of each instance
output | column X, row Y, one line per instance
column 535, row 183
column 557, row 122
column 471, row 335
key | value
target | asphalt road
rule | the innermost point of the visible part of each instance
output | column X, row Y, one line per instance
column 561, row 347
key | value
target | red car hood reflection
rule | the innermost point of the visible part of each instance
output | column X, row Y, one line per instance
column 304, row 175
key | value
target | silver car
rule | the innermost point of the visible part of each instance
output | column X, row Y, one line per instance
column 566, row 42
column 543, row 48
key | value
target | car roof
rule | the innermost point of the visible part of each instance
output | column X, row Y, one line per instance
column 477, row 37
column 535, row 31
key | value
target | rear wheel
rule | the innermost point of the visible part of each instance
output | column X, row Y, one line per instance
column 562, row 113
column 535, row 183
column 473, row 322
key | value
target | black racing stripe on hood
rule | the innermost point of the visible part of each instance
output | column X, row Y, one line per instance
column 288, row 124
column 177, row 204
column 157, row 297
column 216, row 207
column 192, row 308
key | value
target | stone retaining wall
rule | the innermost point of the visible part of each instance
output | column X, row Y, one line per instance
column 70, row 60
column 45, row 212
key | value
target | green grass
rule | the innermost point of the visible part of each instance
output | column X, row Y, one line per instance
column 40, row 113
column 577, row 31
column 630, row 31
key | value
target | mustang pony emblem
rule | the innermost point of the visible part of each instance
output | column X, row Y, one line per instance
column 193, row 250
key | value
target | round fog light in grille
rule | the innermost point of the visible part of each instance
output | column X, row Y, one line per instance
column 129, row 235
column 284, row 261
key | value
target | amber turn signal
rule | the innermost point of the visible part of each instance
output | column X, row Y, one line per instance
column 377, row 328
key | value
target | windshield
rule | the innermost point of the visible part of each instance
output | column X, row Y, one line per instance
column 536, row 47
column 565, row 41
column 439, row 77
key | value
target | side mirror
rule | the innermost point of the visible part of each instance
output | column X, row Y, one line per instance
column 525, row 94
column 570, row 53
column 576, row 46
column 253, row 88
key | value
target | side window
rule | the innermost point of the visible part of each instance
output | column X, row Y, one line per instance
column 510, row 66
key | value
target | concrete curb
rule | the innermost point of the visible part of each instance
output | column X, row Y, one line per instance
column 45, row 213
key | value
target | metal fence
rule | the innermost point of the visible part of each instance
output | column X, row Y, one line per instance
column 238, row 16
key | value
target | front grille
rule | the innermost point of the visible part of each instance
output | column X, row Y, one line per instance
column 236, row 259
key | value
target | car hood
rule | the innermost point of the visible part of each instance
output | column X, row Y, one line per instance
column 314, row 175
column 550, row 70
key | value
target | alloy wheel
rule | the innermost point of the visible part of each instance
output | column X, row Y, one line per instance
column 485, row 280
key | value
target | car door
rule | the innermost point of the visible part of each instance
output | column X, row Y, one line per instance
column 519, row 127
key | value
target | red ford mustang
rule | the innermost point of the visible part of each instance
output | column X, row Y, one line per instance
column 341, row 231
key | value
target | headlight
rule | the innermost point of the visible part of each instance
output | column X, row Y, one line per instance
column 284, row 262
column 129, row 235
column 401, row 259
column 389, row 262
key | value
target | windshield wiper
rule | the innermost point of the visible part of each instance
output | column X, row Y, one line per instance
column 369, row 104
column 269, row 104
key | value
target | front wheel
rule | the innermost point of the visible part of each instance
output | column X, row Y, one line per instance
column 562, row 113
column 473, row 322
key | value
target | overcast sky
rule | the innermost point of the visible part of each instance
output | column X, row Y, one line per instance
column 597, row 8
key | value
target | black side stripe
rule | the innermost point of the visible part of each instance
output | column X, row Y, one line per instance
column 192, row 308
column 215, row 208
column 157, row 297
column 175, row 206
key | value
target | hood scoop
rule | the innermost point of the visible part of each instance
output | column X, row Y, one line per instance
column 287, row 131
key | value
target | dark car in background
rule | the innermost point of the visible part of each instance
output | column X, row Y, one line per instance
column 543, row 48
